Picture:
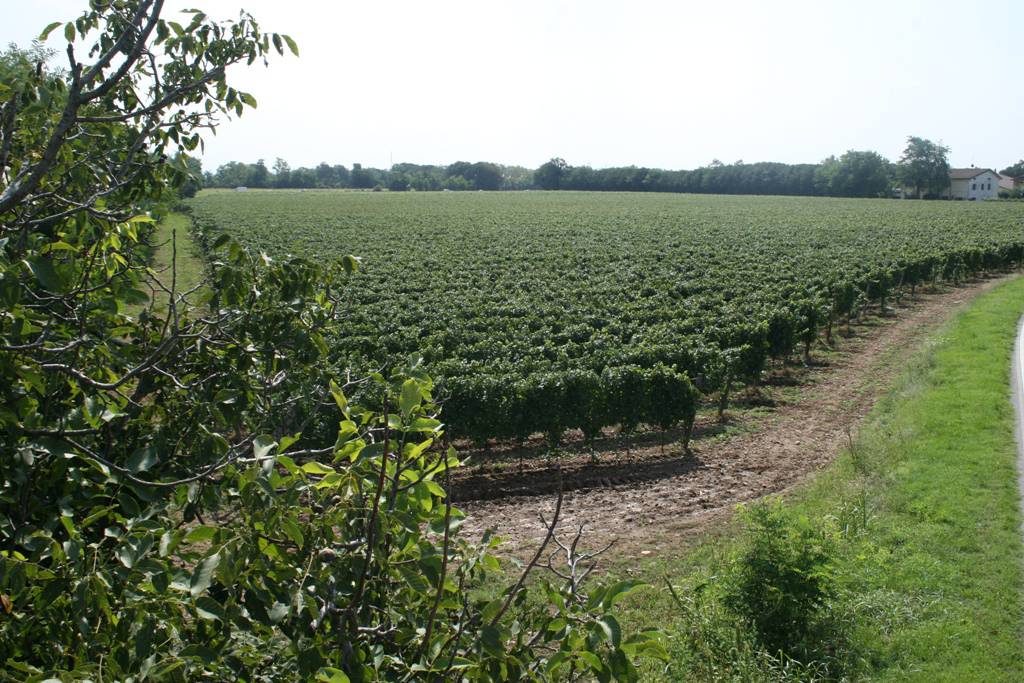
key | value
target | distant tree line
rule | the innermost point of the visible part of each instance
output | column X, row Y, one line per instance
column 923, row 170
column 854, row 174
column 461, row 175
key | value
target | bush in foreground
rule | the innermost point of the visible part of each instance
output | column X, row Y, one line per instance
column 169, row 508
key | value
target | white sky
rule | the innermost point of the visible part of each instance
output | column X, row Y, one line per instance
column 663, row 84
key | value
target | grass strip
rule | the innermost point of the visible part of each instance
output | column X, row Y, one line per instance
column 926, row 508
column 172, row 235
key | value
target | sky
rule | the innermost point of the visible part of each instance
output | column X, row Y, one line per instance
column 660, row 84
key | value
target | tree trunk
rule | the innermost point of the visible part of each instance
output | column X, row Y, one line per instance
column 687, row 435
column 723, row 400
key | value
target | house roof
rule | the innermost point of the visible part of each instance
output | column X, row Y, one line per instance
column 966, row 173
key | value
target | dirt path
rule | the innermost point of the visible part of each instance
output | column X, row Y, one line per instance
column 650, row 503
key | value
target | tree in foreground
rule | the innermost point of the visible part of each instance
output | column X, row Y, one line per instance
column 186, row 491
column 924, row 167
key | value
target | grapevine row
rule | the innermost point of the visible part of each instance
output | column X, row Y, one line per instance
column 539, row 313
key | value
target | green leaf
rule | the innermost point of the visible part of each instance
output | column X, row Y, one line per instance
column 339, row 396
column 425, row 424
column 202, row 577
column 319, row 343
column 619, row 590
column 609, row 627
column 646, row 644
column 160, row 582
column 59, row 245
column 69, row 32
column 209, row 609
column 316, row 468
column 346, row 428
column 287, row 442
column 415, row 451
column 329, row 674
column 556, row 661
column 490, row 638
column 201, row 534
column 262, row 446
column 423, row 496
column 169, row 542
column 48, row 30
column 291, row 44
column 248, row 99
column 491, row 609
column 329, row 481
column 268, row 548
column 278, row 612
column 142, row 459
column 350, row 264
column 411, row 396
column 204, row 654
column 622, row 669
column 45, row 273
column 557, row 624
column 291, row 529
column 92, row 518
column 591, row 660
column 287, row 463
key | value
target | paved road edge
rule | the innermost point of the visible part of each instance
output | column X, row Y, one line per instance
column 1017, row 387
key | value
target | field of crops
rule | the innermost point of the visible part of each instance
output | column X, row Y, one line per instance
column 539, row 312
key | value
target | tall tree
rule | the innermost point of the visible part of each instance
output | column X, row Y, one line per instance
column 549, row 175
column 854, row 174
column 193, row 182
column 363, row 178
column 924, row 167
column 259, row 175
column 325, row 175
column 486, row 176
column 282, row 173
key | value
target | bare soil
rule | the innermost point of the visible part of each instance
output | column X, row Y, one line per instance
column 652, row 497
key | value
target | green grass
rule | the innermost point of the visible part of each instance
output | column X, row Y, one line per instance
column 172, row 244
column 926, row 506
column 189, row 262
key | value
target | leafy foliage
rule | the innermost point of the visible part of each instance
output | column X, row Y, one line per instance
column 924, row 167
column 187, row 491
column 781, row 581
column 1014, row 171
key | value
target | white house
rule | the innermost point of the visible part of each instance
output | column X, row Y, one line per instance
column 973, row 183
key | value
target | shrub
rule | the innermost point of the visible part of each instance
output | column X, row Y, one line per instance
column 671, row 399
column 585, row 403
column 624, row 388
column 780, row 579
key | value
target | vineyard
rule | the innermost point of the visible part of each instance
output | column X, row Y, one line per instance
column 542, row 312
